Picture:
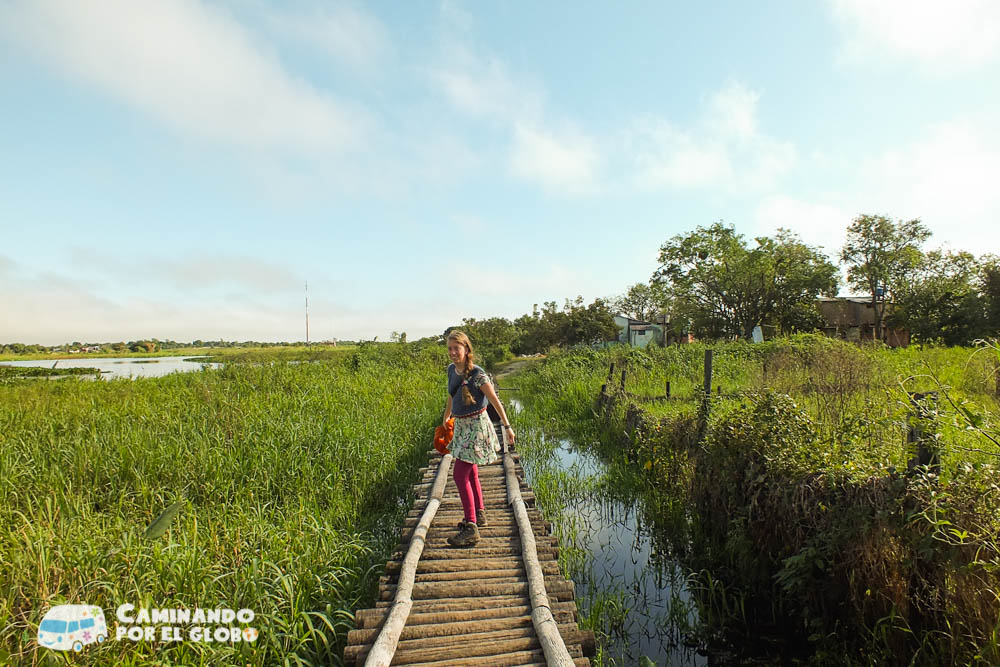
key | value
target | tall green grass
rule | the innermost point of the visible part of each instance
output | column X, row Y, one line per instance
column 292, row 478
column 793, row 496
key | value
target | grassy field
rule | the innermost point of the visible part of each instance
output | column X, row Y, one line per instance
column 787, row 495
column 291, row 481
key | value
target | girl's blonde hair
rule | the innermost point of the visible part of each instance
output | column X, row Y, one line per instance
column 470, row 359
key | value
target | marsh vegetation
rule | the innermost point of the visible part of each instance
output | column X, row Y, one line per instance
column 789, row 498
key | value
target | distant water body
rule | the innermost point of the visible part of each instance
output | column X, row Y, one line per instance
column 125, row 367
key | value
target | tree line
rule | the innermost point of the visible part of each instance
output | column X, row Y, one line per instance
column 714, row 284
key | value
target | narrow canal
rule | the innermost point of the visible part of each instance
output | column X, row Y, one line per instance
column 634, row 597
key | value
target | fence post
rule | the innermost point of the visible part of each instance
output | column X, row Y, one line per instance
column 922, row 418
column 706, row 397
column 623, row 380
column 708, row 371
column 668, row 388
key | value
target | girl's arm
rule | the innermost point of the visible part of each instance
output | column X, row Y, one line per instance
column 447, row 412
column 491, row 395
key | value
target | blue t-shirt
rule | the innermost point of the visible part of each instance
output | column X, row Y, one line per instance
column 455, row 382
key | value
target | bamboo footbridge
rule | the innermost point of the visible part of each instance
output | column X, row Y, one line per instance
column 501, row 602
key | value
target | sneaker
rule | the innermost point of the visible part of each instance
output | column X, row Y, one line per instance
column 466, row 537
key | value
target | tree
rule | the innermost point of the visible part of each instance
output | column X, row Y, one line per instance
column 574, row 324
column 588, row 325
column 725, row 288
column 642, row 301
column 880, row 255
column 989, row 288
column 940, row 301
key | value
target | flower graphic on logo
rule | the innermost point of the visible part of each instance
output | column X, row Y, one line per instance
column 250, row 634
column 87, row 636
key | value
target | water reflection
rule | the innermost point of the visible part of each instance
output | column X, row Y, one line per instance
column 638, row 593
column 131, row 367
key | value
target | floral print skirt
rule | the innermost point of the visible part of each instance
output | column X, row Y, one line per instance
column 475, row 440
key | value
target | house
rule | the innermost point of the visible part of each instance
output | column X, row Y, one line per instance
column 641, row 333
column 852, row 318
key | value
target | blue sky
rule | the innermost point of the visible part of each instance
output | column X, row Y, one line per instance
column 181, row 169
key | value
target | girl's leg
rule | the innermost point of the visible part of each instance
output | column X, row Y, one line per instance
column 477, row 491
column 462, row 475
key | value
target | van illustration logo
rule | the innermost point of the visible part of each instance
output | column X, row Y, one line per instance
column 72, row 626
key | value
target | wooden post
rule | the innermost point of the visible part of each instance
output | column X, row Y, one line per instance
column 668, row 388
column 923, row 415
column 706, row 397
column 611, row 372
column 623, row 380
column 708, row 372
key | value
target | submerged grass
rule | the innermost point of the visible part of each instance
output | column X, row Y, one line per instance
column 290, row 482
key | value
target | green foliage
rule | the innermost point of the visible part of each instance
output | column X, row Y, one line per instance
column 723, row 288
column 940, row 302
column 643, row 301
column 574, row 324
column 880, row 256
column 791, row 504
column 295, row 478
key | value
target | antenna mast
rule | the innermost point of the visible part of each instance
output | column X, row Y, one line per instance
column 307, row 312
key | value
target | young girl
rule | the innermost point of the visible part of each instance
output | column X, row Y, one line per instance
column 474, row 441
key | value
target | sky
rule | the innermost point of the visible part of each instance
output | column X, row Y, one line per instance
column 182, row 169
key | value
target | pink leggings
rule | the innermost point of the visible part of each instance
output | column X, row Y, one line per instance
column 467, row 481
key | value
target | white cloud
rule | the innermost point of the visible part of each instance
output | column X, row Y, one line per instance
column 941, row 36
column 947, row 178
column 483, row 87
column 351, row 36
column 725, row 150
column 558, row 156
column 189, row 65
column 561, row 163
column 733, row 112
column 816, row 223
column 191, row 273
column 210, row 271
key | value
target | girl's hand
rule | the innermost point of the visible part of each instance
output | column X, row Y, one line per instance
column 510, row 434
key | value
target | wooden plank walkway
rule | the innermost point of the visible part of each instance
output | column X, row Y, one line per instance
column 478, row 605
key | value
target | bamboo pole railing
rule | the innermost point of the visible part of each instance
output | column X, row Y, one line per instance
column 545, row 625
column 384, row 647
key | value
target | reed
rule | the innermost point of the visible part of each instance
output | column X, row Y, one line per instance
column 793, row 502
column 289, row 482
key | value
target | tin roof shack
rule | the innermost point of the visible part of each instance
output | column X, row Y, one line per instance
column 637, row 332
column 641, row 333
column 852, row 318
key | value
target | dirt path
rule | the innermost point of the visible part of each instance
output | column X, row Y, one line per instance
column 516, row 367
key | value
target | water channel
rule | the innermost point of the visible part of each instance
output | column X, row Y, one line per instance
column 124, row 367
column 639, row 594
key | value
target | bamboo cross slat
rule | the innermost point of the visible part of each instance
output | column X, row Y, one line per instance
column 500, row 602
